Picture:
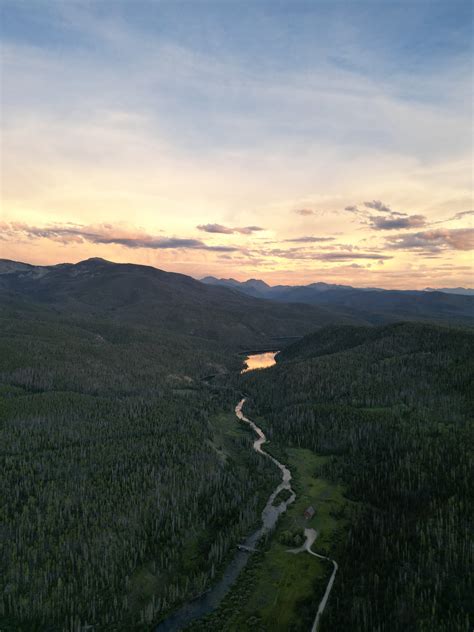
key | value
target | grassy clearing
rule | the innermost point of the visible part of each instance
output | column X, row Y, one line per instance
column 326, row 497
column 284, row 580
column 279, row 590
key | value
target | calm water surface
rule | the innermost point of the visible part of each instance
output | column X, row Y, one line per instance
column 260, row 361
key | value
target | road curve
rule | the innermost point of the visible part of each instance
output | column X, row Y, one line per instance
column 311, row 535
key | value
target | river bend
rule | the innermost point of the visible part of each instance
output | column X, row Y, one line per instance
column 209, row 601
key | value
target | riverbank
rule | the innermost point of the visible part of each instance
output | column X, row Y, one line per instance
column 278, row 590
column 209, row 602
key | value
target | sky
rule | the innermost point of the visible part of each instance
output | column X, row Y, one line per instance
column 289, row 141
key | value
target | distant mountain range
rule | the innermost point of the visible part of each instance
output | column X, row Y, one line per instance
column 256, row 287
column 375, row 304
column 466, row 291
column 224, row 311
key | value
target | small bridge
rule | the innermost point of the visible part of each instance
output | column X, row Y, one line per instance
column 249, row 549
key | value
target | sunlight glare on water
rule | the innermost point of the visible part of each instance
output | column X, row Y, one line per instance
column 259, row 361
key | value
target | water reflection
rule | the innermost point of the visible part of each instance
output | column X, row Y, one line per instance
column 259, row 361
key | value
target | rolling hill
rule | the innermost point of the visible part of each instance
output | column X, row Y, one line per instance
column 165, row 301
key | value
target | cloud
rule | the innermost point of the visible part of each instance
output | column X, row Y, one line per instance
column 309, row 239
column 434, row 240
column 457, row 216
column 304, row 254
column 462, row 214
column 248, row 230
column 391, row 220
column 344, row 256
column 305, row 211
column 379, row 222
column 215, row 228
column 106, row 234
column 377, row 205
column 225, row 230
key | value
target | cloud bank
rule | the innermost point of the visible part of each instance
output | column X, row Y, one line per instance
column 106, row 234
column 434, row 240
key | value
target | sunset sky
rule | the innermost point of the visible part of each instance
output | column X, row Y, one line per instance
column 288, row 141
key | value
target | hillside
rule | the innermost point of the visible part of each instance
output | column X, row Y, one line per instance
column 391, row 410
column 142, row 295
column 404, row 338
column 119, row 465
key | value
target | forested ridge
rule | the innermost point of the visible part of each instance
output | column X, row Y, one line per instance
column 392, row 406
column 144, row 297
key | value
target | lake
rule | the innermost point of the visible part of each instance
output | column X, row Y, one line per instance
column 259, row 361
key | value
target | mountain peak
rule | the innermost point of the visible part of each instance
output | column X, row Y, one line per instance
column 256, row 283
column 93, row 261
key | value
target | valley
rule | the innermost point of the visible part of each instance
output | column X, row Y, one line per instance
column 132, row 482
column 236, row 316
column 271, row 513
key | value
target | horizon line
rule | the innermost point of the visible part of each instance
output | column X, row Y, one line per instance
column 201, row 279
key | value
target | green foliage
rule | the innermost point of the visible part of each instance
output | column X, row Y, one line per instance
column 294, row 538
column 392, row 408
column 279, row 590
column 125, row 497
column 282, row 497
column 129, row 482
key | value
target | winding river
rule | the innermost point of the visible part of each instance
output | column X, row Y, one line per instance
column 209, row 601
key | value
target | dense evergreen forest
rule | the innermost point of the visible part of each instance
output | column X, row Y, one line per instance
column 120, row 475
column 392, row 407
column 129, row 482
